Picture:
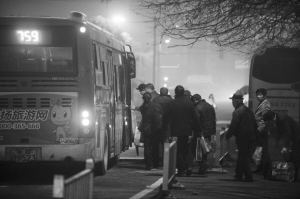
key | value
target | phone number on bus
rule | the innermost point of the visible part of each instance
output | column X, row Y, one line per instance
column 20, row 126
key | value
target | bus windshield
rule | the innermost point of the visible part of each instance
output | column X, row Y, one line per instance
column 51, row 55
column 277, row 66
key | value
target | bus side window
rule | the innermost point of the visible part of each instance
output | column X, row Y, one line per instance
column 117, row 82
column 122, row 83
column 104, row 66
column 110, row 68
column 98, row 69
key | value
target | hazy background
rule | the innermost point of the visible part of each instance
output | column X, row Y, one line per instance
column 204, row 69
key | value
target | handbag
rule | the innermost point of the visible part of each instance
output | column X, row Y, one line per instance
column 206, row 147
column 283, row 171
column 257, row 155
column 138, row 141
column 198, row 150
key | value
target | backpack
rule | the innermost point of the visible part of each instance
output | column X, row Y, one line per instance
column 158, row 117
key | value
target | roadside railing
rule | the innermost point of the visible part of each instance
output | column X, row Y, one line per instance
column 169, row 168
column 221, row 151
column 76, row 187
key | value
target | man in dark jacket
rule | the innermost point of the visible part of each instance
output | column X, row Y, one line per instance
column 289, row 130
column 150, row 89
column 150, row 131
column 164, row 100
column 207, row 116
column 181, row 113
column 243, row 127
column 142, row 89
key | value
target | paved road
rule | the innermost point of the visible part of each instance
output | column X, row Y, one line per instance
column 130, row 180
column 219, row 184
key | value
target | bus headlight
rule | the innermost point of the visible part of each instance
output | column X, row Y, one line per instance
column 85, row 114
column 82, row 29
column 85, row 122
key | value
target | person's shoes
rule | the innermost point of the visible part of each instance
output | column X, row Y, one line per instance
column 189, row 172
column 237, row 178
column 151, row 169
column 247, row 180
column 179, row 175
column 256, row 171
column 203, row 168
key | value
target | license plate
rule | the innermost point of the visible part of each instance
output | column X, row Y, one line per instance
column 23, row 155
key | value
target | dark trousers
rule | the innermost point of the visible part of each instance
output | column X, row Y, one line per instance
column 183, row 153
column 156, row 142
column 151, row 150
column 148, row 151
column 243, row 166
column 192, row 148
column 262, row 140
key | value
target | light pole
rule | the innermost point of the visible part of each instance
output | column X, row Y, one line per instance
column 154, row 54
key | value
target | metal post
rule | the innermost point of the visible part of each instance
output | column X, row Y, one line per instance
column 58, row 186
column 89, row 164
column 154, row 52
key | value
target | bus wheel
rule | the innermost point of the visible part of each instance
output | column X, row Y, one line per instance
column 104, row 163
column 113, row 161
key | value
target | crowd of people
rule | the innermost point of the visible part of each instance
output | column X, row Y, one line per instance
column 185, row 116
column 189, row 117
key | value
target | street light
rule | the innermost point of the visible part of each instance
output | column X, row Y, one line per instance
column 119, row 20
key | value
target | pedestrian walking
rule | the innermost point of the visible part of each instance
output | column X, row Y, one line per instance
column 243, row 127
column 289, row 130
column 151, row 131
column 181, row 113
column 207, row 120
column 150, row 89
column 262, row 134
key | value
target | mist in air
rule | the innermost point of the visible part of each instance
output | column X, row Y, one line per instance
column 204, row 68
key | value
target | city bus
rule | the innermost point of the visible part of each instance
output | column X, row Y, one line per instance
column 65, row 92
column 278, row 71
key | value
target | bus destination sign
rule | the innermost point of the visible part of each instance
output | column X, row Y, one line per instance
column 16, row 36
column 33, row 36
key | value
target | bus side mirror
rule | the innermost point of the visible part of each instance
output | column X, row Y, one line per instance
column 132, row 64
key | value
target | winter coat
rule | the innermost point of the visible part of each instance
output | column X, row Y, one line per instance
column 288, row 129
column 181, row 113
column 243, row 125
column 149, row 121
column 164, row 101
column 207, row 117
column 262, row 108
column 154, row 94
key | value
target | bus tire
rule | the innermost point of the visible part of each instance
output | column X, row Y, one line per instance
column 113, row 161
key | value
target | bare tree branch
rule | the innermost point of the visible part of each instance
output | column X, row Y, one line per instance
column 245, row 25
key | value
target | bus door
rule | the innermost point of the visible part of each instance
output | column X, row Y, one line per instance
column 118, row 111
column 111, row 77
column 102, row 100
